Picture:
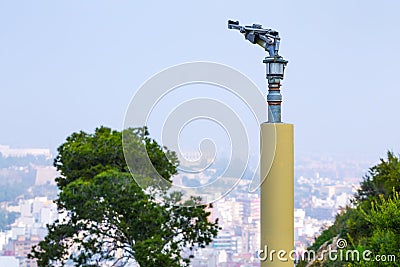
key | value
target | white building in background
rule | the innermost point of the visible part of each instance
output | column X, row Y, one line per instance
column 35, row 214
column 46, row 174
column 299, row 216
column 342, row 200
column 6, row 151
column 4, row 236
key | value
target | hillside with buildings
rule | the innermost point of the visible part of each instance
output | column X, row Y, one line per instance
column 322, row 186
column 26, row 193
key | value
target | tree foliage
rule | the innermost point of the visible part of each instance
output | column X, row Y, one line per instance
column 110, row 220
column 381, row 180
column 372, row 221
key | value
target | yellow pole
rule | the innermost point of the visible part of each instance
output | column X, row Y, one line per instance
column 277, row 195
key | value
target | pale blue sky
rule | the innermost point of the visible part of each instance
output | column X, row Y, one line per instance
column 72, row 65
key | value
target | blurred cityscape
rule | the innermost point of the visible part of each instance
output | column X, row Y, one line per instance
column 323, row 185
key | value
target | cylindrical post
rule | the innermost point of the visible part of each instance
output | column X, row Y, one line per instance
column 277, row 195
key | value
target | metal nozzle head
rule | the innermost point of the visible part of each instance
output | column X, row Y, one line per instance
column 232, row 23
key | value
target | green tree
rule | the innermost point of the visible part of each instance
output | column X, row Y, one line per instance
column 111, row 220
column 372, row 222
column 381, row 179
column 384, row 239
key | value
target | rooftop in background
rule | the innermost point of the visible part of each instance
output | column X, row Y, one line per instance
column 6, row 151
